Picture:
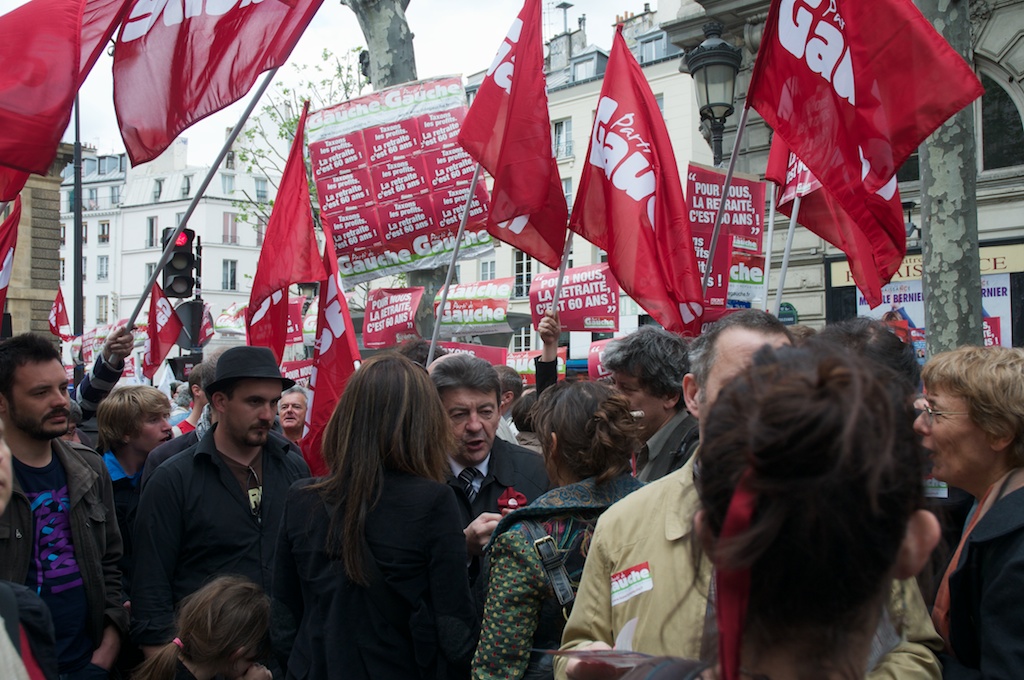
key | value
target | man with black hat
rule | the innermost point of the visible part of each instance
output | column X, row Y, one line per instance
column 215, row 508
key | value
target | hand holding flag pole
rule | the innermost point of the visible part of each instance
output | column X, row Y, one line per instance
column 165, row 257
column 451, row 266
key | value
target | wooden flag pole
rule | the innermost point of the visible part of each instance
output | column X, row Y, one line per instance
column 451, row 266
column 721, row 204
column 785, row 255
column 768, row 245
column 165, row 257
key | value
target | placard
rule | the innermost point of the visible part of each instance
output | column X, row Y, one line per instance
column 495, row 356
column 523, row 363
column 589, row 299
column 476, row 308
column 390, row 316
column 595, row 369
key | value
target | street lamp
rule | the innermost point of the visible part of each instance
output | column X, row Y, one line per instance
column 713, row 65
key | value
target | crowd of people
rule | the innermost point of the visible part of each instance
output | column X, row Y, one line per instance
column 750, row 503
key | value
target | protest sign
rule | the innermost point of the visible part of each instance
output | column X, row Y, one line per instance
column 392, row 180
column 495, row 356
column 476, row 308
column 595, row 369
column 231, row 321
column 390, row 316
column 522, row 362
column 299, row 371
column 589, row 300
column 746, row 278
column 293, row 333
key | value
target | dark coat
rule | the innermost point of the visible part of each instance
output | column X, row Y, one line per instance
column 511, row 466
column 194, row 522
column 326, row 626
column 986, row 597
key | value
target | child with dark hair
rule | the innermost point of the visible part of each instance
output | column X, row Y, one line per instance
column 810, row 506
column 222, row 632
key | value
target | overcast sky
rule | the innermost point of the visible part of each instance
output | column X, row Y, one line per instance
column 451, row 37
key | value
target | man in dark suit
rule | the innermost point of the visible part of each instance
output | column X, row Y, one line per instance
column 484, row 468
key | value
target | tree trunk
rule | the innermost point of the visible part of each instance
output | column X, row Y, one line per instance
column 951, row 279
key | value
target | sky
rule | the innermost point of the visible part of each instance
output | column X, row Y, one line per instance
column 451, row 37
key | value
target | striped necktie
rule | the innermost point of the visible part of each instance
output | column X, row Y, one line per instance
column 466, row 477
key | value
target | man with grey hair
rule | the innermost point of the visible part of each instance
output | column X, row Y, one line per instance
column 648, row 366
column 291, row 411
column 483, row 467
column 511, row 389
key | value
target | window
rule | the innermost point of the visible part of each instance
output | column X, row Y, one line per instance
column 104, row 236
column 583, row 70
column 1002, row 135
column 91, row 199
column 230, row 229
column 63, row 233
column 186, row 186
column 229, row 160
column 227, row 183
column 150, row 270
column 568, row 260
column 602, row 256
column 178, row 217
column 152, row 240
column 562, row 138
column 523, row 265
column 62, row 266
column 85, row 262
column 567, row 191
column 261, row 229
column 653, row 49
column 115, row 196
column 101, row 309
column 85, row 232
column 522, row 340
column 158, row 189
column 229, row 271
column 261, row 190
column 457, row 277
column 102, row 268
column 660, row 99
column 486, row 270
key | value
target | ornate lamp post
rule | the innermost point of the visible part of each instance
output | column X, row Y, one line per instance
column 713, row 65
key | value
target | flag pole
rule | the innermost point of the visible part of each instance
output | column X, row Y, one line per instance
column 451, row 266
column 165, row 257
column 721, row 204
column 785, row 255
column 561, row 272
column 768, row 245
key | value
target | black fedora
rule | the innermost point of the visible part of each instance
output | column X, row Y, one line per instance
column 242, row 363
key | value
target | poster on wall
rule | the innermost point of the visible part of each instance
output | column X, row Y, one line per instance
column 903, row 309
column 589, row 299
column 392, row 180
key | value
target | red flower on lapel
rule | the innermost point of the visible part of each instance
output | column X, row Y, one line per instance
column 511, row 500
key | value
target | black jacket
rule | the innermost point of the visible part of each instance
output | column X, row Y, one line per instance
column 325, row 626
column 510, row 466
column 194, row 522
column 986, row 597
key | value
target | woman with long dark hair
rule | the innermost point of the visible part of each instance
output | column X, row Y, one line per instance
column 371, row 579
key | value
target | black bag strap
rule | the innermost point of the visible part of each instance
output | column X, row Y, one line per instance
column 12, row 618
column 551, row 561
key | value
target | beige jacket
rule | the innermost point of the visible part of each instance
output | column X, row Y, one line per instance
column 643, row 543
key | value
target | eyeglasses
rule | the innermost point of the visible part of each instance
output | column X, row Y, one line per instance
column 930, row 414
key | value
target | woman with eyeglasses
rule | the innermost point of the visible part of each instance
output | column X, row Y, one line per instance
column 371, row 578
column 973, row 424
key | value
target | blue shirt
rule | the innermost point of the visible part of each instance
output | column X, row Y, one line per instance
column 117, row 472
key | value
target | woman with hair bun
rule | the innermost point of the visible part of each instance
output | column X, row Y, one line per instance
column 811, row 505
column 590, row 436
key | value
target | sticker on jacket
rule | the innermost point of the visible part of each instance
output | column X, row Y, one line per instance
column 629, row 583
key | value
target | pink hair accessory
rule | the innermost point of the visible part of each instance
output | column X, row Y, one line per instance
column 178, row 642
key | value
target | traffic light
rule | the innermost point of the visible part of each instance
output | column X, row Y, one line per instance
column 179, row 272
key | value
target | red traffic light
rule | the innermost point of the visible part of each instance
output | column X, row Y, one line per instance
column 182, row 240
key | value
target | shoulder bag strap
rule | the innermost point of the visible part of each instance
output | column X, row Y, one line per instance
column 551, row 561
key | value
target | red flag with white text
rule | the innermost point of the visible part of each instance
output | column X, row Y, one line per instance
column 171, row 71
column 630, row 200
column 826, row 80
column 508, row 131
column 335, row 358
column 60, row 325
column 289, row 254
column 8, row 242
column 161, row 333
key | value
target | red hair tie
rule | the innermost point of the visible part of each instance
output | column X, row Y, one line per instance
column 178, row 642
column 733, row 585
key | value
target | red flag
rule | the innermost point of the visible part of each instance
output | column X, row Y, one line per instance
column 872, row 261
column 826, row 79
column 289, row 255
column 172, row 70
column 630, row 201
column 335, row 358
column 162, row 332
column 507, row 129
column 48, row 48
column 8, row 241
column 59, row 317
